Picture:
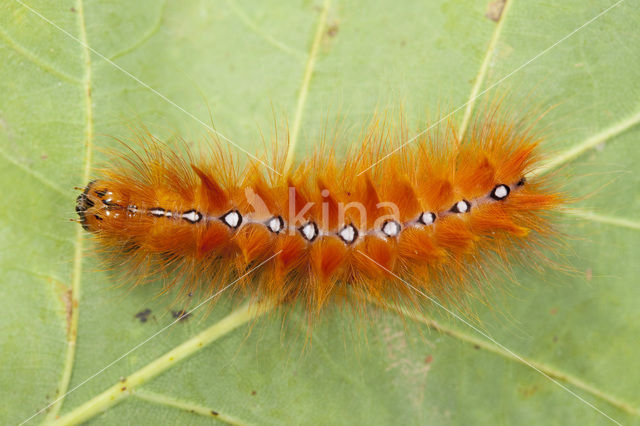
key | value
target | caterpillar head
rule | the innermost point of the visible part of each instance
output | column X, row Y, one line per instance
column 95, row 203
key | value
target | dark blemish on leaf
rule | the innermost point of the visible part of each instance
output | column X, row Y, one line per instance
column 181, row 315
column 476, row 347
column 67, row 299
column 332, row 30
column 555, row 339
column 73, row 9
column 494, row 10
column 253, row 393
column 428, row 359
column 529, row 391
column 124, row 388
column 143, row 316
column 214, row 413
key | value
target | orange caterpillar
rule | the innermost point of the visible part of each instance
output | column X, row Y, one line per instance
column 436, row 213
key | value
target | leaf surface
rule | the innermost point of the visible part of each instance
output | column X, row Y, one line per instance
column 165, row 64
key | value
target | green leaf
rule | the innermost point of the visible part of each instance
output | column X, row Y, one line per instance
column 74, row 75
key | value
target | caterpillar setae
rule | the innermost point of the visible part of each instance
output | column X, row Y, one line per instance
column 437, row 212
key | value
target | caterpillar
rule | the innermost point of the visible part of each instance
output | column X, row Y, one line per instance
column 437, row 212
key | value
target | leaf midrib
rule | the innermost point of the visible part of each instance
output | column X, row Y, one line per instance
column 76, row 276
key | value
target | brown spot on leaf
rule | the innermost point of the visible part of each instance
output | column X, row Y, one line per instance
column 333, row 29
column 428, row 359
column 67, row 298
column 214, row 413
column 494, row 10
column 589, row 274
column 529, row 391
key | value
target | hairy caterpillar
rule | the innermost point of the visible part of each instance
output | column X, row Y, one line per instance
column 436, row 213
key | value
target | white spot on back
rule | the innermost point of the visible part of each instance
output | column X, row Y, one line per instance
column 391, row 228
column 232, row 219
column 192, row 216
column 427, row 218
column 309, row 231
column 348, row 234
column 462, row 206
column 275, row 224
column 500, row 192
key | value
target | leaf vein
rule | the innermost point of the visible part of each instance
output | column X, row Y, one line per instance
column 31, row 57
column 123, row 389
column 482, row 72
column 589, row 143
column 249, row 23
column 191, row 407
column 76, row 274
column 33, row 174
column 525, row 361
column 600, row 218
column 304, row 88
column 145, row 37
